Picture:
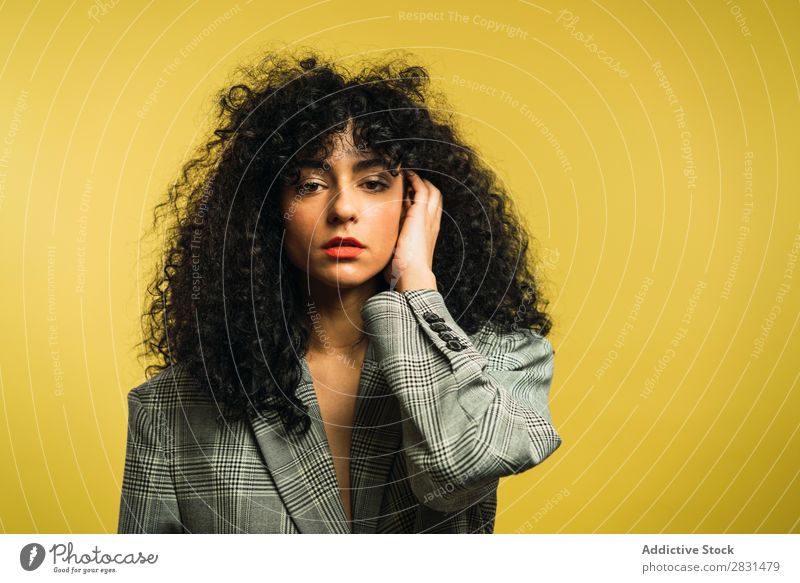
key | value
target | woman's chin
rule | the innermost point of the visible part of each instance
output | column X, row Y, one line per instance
column 345, row 279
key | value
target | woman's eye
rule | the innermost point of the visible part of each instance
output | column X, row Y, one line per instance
column 375, row 185
column 306, row 187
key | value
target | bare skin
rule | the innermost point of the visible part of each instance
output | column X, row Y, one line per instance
column 336, row 386
column 399, row 237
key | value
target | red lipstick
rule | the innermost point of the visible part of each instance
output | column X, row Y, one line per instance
column 343, row 247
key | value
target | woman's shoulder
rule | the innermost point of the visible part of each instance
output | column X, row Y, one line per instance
column 170, row 386
column 176, row 402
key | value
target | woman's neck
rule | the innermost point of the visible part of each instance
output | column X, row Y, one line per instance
column 334, row 315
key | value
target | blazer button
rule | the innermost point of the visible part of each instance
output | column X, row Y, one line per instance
column 440, row 327
column 455, row 345
column 448, row 336
column 430, row 317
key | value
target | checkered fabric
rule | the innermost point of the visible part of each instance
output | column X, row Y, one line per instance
column 440, row 417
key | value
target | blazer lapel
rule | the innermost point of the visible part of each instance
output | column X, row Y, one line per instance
column 377, row 437
column 302, row 467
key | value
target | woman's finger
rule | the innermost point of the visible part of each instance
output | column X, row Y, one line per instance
column 420, row 188
column 439, row 209
column 434, row 200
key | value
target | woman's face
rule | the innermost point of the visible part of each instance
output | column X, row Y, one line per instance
column 352, row 194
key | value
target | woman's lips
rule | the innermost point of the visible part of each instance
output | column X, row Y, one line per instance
column 343, row 252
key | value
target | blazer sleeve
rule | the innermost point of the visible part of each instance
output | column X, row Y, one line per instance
column 148, row 503
column 469, row 416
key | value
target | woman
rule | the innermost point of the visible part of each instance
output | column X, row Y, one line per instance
column 349, row 333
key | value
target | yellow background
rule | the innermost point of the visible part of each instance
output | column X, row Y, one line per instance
column 672, row 274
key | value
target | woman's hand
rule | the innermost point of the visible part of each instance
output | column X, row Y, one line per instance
column 411, row 266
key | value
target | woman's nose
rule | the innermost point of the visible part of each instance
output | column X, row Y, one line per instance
column 344, row 205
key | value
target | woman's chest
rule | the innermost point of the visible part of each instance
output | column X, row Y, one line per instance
column 254, row 477
column 336, row 387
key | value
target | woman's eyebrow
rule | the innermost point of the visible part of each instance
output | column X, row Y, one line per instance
column 370, row 164
column 358, row 166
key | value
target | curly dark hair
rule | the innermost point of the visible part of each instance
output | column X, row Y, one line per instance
column 224, row 302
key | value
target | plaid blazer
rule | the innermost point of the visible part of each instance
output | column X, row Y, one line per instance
column 440, row 417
